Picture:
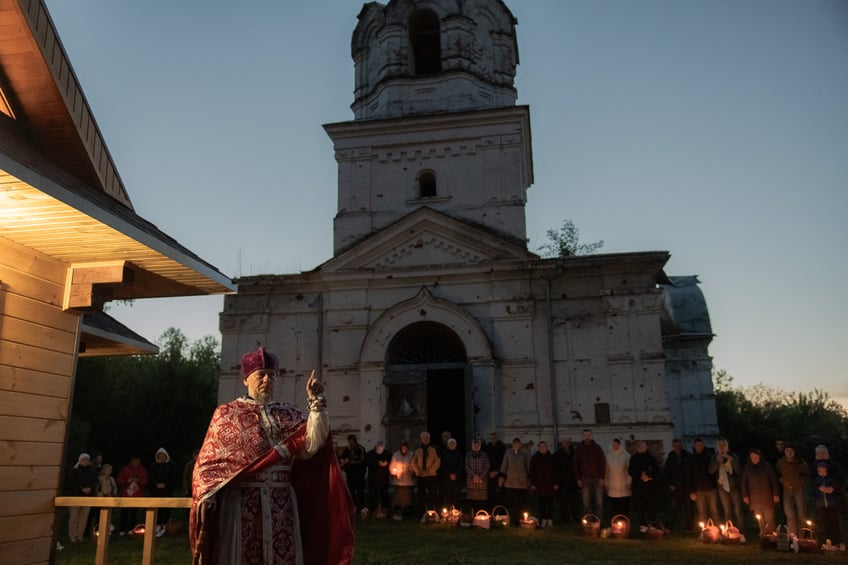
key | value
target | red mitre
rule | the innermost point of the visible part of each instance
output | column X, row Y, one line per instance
column 259, row 359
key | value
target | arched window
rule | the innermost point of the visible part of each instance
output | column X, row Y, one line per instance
column 425, row 40
column 426, row 184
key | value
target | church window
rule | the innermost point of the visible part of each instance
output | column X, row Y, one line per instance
column 425, row 40
column 602, row 413
column 426, row 184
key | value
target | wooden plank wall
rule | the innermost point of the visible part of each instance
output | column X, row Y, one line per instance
column 38, row 343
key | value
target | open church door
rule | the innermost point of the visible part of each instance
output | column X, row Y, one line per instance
column 406, row 410
column 426, row 370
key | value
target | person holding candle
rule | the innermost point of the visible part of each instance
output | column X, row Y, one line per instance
column 403, row 480
column 760, row 490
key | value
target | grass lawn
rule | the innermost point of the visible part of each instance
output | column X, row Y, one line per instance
column 410, row 543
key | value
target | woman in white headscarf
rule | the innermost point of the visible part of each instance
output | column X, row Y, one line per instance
column 83, row 482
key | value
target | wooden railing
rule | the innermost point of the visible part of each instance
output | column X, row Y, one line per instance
column 107, row 503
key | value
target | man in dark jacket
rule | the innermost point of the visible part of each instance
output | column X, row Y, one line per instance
column 675, row 477
column 590, row 466
column 701, row 483
column 567, row 496
column 495, row 451
column 353, row 463
column 377, row 462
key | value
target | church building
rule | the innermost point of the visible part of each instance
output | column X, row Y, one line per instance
column 433, row 314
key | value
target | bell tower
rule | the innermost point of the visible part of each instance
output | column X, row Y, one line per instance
column 435, row 121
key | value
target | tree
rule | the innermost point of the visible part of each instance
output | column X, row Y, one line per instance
column 755, row 416
column 136, row 404
column 566, row 242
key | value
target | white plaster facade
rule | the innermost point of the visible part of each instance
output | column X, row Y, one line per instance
column 433, row 314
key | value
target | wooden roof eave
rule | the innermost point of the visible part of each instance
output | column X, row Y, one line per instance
column 103, row 335
column 152, row 264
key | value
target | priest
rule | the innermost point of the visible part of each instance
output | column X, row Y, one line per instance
column 266, row 487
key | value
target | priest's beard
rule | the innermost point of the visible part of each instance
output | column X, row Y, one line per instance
column 263, row 398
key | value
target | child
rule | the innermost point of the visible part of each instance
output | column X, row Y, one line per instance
column 106, row 486
column 827, row 496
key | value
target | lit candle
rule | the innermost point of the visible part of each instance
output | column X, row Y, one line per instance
column 809, row 523
column 703, row 525
column 619, row 523
column 525, row 516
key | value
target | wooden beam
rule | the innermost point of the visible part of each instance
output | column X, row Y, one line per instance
column 88, row 284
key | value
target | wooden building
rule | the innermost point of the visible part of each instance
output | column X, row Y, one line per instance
column 70, row 241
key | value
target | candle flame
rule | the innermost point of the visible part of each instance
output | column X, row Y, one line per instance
column 703, row 525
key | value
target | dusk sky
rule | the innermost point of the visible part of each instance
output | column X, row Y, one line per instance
column 715, row 130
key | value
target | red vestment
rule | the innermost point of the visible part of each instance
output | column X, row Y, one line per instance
column 238, row 437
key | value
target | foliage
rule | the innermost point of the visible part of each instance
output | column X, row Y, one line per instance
column 566, row 242
column 136, row 404
column 758, row 415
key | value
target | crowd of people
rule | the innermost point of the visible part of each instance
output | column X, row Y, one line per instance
column 258, row 453
column 681, row 489
column 90, row 476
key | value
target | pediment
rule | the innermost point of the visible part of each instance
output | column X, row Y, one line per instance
column 426, row 238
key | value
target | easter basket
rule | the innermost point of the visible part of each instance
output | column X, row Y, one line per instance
column 451, row 516
column 500, row 516
column 482, row 519
column 620, row 527
column 807, row 541
column 591, row 525
column 730, row 534
column 710, row 532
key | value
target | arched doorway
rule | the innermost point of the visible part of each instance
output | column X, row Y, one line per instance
column 426, row 384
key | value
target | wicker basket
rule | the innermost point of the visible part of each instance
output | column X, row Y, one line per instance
column 710, row 532
column 482, row 519
column 529, row 523
column 655, row 531
column 730, row 534
column 452, row 516
column 807, row 541
column 768, row 540
column 430, row 517
column 591, row 525
column 619, row 527
column 500, row 516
